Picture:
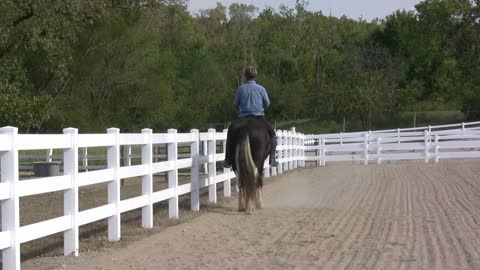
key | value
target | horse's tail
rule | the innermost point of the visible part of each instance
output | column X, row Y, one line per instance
column 247, row 172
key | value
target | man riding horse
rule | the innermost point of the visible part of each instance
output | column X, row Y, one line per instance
column 251, row 100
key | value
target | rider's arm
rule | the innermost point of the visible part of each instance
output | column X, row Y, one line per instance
column 265, row 99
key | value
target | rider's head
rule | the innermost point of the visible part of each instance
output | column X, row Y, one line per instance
column 250, row 73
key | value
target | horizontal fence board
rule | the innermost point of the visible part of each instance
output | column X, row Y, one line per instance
column 184, row 163
column 220, row 136
column 44, row 228
column 95, row 214
column 399, row 156
column 206, row 136
column 401, row 146
column 163, row 195
column 458, row 144
column 164, row 138
column 133, row 203
column 43, row 185
column 460, row 137
column 43, row 141
column 95, row 177
column 183, row 138
column 344, row 158
column 219, row 157
column 222, row 177
column 95, row 140
column 344, row 147
column 345, row 140
column 163, row 166
column 184, row 189
column 469, row 154
column 132, row 139
column 133, row 171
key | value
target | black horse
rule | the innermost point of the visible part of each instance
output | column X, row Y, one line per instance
column 252, row 147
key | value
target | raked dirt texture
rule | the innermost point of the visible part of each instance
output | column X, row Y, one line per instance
column 393, row 216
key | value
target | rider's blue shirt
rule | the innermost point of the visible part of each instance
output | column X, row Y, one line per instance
column 251, row 98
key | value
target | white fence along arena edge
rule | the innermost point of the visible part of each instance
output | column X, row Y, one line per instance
column 291, row 156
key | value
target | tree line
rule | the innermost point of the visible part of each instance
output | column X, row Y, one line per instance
column 131, row 64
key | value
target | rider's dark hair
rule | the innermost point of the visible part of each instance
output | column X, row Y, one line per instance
column 250, row 73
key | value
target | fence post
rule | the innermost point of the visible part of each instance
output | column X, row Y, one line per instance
column 429, row 132
column 70, row 196
column 85, row 159
column 195, row 171
column 379, row 160
column 147, row 179
column 318, row 152
column 437, row 147
column 297, row 149
column 303, row 149
column 398, row 135
column 275, row 169
column 280, row 152
column 323, row 153
column 173, row 175
column 294, row 148
column 49, row 155
column 427, row 145
column 365, row 151
column 224, row 142
column 113, row 162
column 290, row 150
column 205, row 153
column 286, row 150
column 463, row 130
column 129, row 155
column 11, row 206
column 212, row 166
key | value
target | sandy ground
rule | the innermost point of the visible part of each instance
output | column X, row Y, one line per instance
column 397, row 216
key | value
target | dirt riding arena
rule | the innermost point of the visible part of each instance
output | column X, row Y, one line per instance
column 391, row 216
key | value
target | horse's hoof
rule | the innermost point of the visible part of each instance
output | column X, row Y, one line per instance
column 249, row 211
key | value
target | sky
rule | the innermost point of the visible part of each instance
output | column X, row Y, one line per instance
column 355, row 9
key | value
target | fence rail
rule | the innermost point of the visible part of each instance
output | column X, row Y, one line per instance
column 430, row 143
column 202, row 155
column 196, row 152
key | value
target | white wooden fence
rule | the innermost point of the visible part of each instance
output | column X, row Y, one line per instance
column 290, row 152
column 423, row 143
column 294, row 149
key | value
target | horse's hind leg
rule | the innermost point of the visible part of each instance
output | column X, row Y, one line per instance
column 241, row 201
column 258, row 199
column 249, row 209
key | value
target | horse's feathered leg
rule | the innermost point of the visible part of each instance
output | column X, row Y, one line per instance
column 259, row 201
column 241, row 189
